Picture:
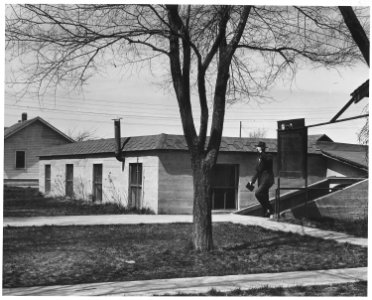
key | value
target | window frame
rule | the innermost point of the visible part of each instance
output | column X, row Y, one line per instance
column 94, row 199
column 67, row 180
column 137, row 202
column 24, row 160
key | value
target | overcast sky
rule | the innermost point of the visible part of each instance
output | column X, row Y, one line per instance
column 148, row 106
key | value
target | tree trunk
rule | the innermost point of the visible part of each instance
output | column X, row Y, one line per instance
column 356, row 30
column 202, row 209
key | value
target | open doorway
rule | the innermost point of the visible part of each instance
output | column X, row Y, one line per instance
column 225, row 182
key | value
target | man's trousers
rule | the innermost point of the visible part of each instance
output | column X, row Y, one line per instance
column 262, row 195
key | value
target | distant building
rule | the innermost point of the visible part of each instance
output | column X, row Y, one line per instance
column 157, row 171
column 22, row 143
column 345, row 159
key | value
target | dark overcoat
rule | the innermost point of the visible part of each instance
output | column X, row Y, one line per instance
column 264, row 170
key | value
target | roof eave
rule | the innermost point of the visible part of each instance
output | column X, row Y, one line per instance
column 345, row 161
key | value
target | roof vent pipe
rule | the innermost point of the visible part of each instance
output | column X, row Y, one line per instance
column 118, row 148
column 24, row 117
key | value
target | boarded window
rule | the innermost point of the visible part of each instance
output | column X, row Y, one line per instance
column 20, row 160
column 224, row 186
column 47, row 178
column 69, row 180
column 135, row 185
column 97, row 182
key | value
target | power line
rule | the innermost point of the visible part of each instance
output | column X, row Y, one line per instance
column 144, row 123
column 175, row 115
column 109, row 121
column 99, row 108
column 143, row 116
column 89, row 112
column 105, row 105
column 152, row 106
column 103, row 101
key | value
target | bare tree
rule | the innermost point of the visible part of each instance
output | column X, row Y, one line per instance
column 258, row 133
column 363, row 135
column 82, row 135
column 224, row 53
column 361, row 39
column 357, row 31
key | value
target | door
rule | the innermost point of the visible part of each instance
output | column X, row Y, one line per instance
column 224, row 186
column 97, row 182
column 135, row 185
column 70, row 180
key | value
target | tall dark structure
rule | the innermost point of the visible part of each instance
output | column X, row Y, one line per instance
column 292, row 156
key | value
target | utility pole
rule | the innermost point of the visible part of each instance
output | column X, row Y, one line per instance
column 240, row 129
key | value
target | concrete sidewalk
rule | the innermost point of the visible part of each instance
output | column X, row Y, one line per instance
column 165, row 219
column 196, row 284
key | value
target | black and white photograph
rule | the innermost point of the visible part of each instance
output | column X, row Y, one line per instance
column 185, row 148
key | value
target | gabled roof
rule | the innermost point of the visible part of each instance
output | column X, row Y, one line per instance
column 165, row 142
column 355, row 155
column 9, row 131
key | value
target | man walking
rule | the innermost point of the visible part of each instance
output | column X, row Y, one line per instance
column 265, row 177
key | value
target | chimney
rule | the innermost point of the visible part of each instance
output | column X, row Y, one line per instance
column 118, row 149
column 24, row 117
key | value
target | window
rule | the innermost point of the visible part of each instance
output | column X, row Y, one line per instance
column 135, row 185
column 224, row 186
column 97, row 182
column 20, row 160
column 69, row 180
column 47, row 178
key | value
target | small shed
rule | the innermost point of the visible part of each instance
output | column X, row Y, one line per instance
column 157, row 171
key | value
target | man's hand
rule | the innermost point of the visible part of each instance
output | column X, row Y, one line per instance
column 250, row 186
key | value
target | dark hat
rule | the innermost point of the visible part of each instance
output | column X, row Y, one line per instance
column 261, row 144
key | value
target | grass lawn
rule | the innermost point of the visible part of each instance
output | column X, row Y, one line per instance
column 28, row 202
column 358, row 289
column 81, row 254
column 357, row 228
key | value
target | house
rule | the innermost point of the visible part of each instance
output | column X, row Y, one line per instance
column 157, row 171
column 22, row 143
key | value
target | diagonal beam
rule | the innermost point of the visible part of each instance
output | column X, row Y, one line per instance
column 357, row 95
